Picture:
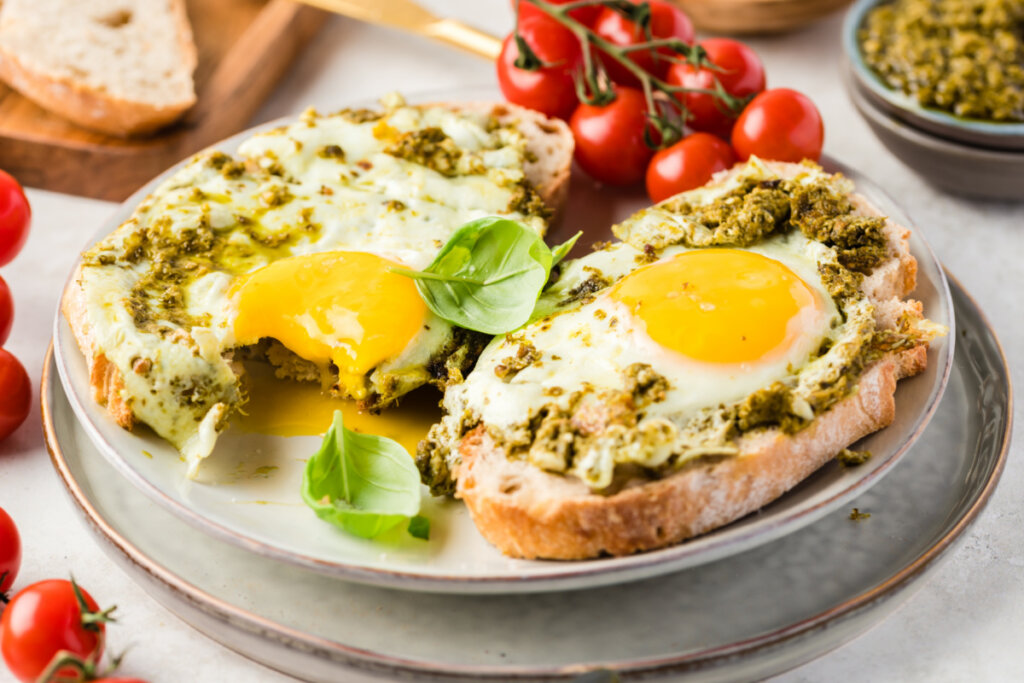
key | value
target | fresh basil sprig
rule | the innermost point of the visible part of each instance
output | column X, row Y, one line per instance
column 488, row 276
column 363, row 483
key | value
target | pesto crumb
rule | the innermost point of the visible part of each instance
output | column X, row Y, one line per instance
column 856, row 515
column 848, row 458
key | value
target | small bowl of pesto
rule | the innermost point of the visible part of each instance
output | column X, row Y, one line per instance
column 951, row 68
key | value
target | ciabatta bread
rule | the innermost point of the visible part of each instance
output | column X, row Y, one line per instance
column 530, row 512
column 122, row 67
column 549, row 145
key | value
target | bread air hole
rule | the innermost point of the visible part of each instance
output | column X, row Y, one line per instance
column 116, row 19
column 510, row 485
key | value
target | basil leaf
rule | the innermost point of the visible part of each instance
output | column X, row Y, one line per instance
column 488, row 276
column 562, row 250
column 419, row 527
column 362, row 483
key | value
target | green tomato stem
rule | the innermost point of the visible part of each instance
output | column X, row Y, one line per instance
column 593, row 86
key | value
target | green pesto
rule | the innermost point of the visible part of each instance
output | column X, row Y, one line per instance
column 848, row 458
column 429, row 147
column 360, row 115
column 527, row 202
column 965, row 57
column 756, row 209
column 331, row 152
column 177, row 256
column 525, row 356
column 742, row 216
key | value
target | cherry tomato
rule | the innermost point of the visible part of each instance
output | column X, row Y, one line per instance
column 10, row 551
column 6, row 311
column 549, row 90
column 741, row 75
column 667, row 21
column 584, row 15
column 15, row 216
column 43, row 619
column 610, row 139
column 15, row 394
column 779, row 124
column 687, row 164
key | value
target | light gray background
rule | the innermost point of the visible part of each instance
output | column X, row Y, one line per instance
column 967, row 623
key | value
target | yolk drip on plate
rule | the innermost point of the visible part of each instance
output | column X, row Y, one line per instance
column 721, row 305
column 341, row 307
column 289, row 408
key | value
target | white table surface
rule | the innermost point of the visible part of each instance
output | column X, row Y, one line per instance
column 967, row 623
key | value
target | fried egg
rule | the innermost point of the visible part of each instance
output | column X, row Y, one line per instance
column 285, row 252
column 697, row 329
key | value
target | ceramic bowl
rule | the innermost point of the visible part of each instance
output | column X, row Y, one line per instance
column 973, row 132
column 955, row 167
column 756, row 16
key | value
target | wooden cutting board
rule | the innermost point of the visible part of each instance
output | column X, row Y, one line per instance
column 244, row 46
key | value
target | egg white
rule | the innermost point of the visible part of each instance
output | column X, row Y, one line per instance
column 590, row 346
column 324, row 203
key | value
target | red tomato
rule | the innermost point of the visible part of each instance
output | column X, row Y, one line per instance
column 10, row 551
column 43, row 619
column 15, row 394
column 742, row 75
column 550, row 90
column 15, row 216
column 779, row 124
column 584, row 15
column 610, row 139
column 667, row 21
column 687, row 164
column 6, row 311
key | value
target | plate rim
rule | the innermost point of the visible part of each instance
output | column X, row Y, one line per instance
column 557, row 576
column 235, row 616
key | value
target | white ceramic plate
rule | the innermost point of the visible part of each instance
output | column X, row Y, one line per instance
column 745, row 617
column 260, row 509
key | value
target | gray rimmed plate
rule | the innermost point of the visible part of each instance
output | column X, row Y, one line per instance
column 957, row 168
column 974, row 132
column 747, row 616
column 259, row 509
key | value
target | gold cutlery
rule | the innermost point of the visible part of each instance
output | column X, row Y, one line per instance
column 408, row 16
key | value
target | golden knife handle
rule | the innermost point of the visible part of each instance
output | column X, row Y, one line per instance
column 465, row 37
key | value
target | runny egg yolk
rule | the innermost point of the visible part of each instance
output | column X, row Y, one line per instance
column 288, row 408
column 340, row 306
column 721, row 305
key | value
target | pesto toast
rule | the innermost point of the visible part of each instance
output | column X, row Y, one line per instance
column 156, row 306
column 595, row 430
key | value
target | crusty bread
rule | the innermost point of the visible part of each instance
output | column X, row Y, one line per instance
column 122, row 67
column 550, row 141
column 531, row 513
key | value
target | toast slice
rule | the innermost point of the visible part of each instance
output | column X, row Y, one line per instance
column 122, row 67
column 548, row 146
column 531, row 511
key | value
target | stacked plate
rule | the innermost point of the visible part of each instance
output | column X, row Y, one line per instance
column 963, row 156
column 244, row 561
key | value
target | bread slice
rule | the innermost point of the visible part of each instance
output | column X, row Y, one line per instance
column 549, row 140
column 122, row 67
column 529, row 512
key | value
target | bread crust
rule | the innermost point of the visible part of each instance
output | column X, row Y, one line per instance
column 105, row 379
column 94, row 108
column 529, row 513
